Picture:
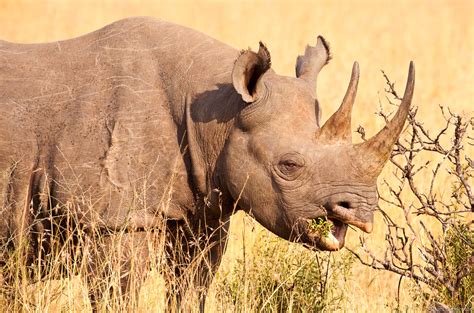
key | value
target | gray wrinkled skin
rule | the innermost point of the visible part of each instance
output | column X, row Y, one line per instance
column 144, row 119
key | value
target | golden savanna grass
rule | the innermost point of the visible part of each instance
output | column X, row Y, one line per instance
column 437, row 35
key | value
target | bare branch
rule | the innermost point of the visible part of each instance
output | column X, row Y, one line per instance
column 415, row 201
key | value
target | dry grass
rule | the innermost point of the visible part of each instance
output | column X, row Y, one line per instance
column 437, row 35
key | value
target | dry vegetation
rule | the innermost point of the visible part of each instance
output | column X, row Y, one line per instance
column 260, row 270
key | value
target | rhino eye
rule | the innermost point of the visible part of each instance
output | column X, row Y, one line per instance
column 289, row 166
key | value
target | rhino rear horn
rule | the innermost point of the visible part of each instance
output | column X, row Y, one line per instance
column 310, row 64
column 338, row 127
column 248, row 69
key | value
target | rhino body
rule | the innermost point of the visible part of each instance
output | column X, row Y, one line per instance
column 144, row 121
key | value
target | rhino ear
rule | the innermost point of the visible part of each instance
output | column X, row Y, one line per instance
column 248, row 69
column 313, row 60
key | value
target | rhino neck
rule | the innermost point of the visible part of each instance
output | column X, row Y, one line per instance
column 209, row 118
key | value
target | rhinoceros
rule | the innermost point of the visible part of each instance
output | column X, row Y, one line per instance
column 145, row 121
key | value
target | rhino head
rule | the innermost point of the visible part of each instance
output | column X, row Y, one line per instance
column 288, row 171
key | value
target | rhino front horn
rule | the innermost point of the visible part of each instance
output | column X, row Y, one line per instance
column 338, row 127
column 378, row 148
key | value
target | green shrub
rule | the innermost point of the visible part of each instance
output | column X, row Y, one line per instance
column 459, row 268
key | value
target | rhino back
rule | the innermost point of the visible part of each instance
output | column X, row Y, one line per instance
column 97, row 121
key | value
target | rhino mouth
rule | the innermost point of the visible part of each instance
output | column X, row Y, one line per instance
column 327, row 233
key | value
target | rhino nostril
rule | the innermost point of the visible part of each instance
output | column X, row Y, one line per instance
column 344, row 204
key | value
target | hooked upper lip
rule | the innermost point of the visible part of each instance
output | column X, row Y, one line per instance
column 338, row 219
column 347, row 216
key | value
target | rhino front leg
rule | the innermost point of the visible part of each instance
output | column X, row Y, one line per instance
column 193, row 262
column 117, row 267
column 210, row 257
